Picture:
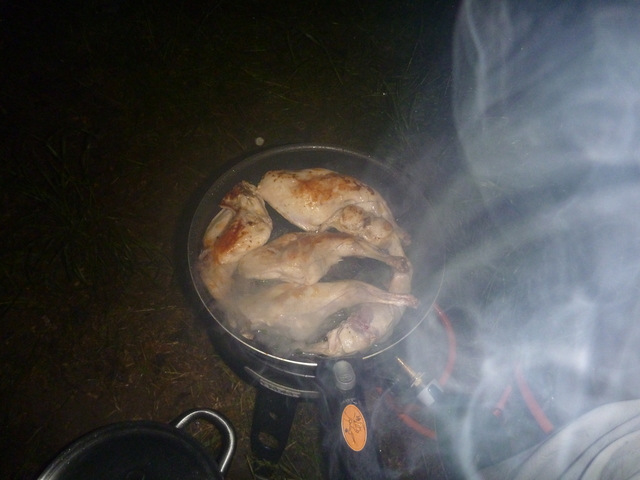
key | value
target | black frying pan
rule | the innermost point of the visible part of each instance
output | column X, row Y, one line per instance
column 405, row 200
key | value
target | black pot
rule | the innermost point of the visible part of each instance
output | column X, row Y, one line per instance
column 148, row 450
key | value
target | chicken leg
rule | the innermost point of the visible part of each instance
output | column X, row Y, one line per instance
column 371, row 323
column 298, row 311
column 306, row 257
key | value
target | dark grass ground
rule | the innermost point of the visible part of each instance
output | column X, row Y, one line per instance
column 113, row 116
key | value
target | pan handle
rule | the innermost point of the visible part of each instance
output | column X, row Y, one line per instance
column 221, row 423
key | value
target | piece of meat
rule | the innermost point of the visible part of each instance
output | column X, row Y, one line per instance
column 299, row 311
column 355, row 334
column 242, row 225
column 371, row 323
column 354, row 220
column 306, row 257
column 308, row 198
column 217, row 277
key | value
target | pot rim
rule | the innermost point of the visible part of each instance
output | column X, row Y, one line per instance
column 298, row 156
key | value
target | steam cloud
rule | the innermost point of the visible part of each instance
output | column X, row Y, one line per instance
column 547, row 109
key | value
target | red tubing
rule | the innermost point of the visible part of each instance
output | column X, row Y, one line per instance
column 406, row 418
column 418, row 427
column 533, row 405
column 502, row 402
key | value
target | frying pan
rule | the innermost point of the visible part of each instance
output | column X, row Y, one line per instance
column 406, row 201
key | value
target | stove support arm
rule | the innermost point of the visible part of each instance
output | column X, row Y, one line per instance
column 273, row 415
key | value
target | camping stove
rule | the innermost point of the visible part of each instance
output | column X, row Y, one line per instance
column 337, row 387
column 336, row 384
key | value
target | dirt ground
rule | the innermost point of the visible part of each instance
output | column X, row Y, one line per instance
column 114, row 115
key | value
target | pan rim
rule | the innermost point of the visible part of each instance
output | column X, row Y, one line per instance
column 231, row 170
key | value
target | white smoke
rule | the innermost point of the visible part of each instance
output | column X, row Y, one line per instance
column 547, row 109
column 546, row 86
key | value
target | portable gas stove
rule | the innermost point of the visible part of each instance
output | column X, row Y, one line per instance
column 282, row 380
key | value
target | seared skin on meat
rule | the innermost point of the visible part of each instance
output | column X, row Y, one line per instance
column 310, row 197
column 242, row 225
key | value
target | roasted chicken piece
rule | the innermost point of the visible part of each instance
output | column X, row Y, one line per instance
column 306, row 257
column 242, row 225
column 308, row 198
column 372, row 323
column 218, row 278
column 354, row 220
column 298, row 311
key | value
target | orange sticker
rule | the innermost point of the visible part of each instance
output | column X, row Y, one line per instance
column 354, row 428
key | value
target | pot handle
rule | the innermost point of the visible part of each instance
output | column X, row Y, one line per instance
column 220, row 422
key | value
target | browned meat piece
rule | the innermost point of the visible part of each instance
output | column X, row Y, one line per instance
column 308, row 198
column 242, row 225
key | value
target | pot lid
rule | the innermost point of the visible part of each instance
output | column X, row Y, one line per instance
column 406, row 201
